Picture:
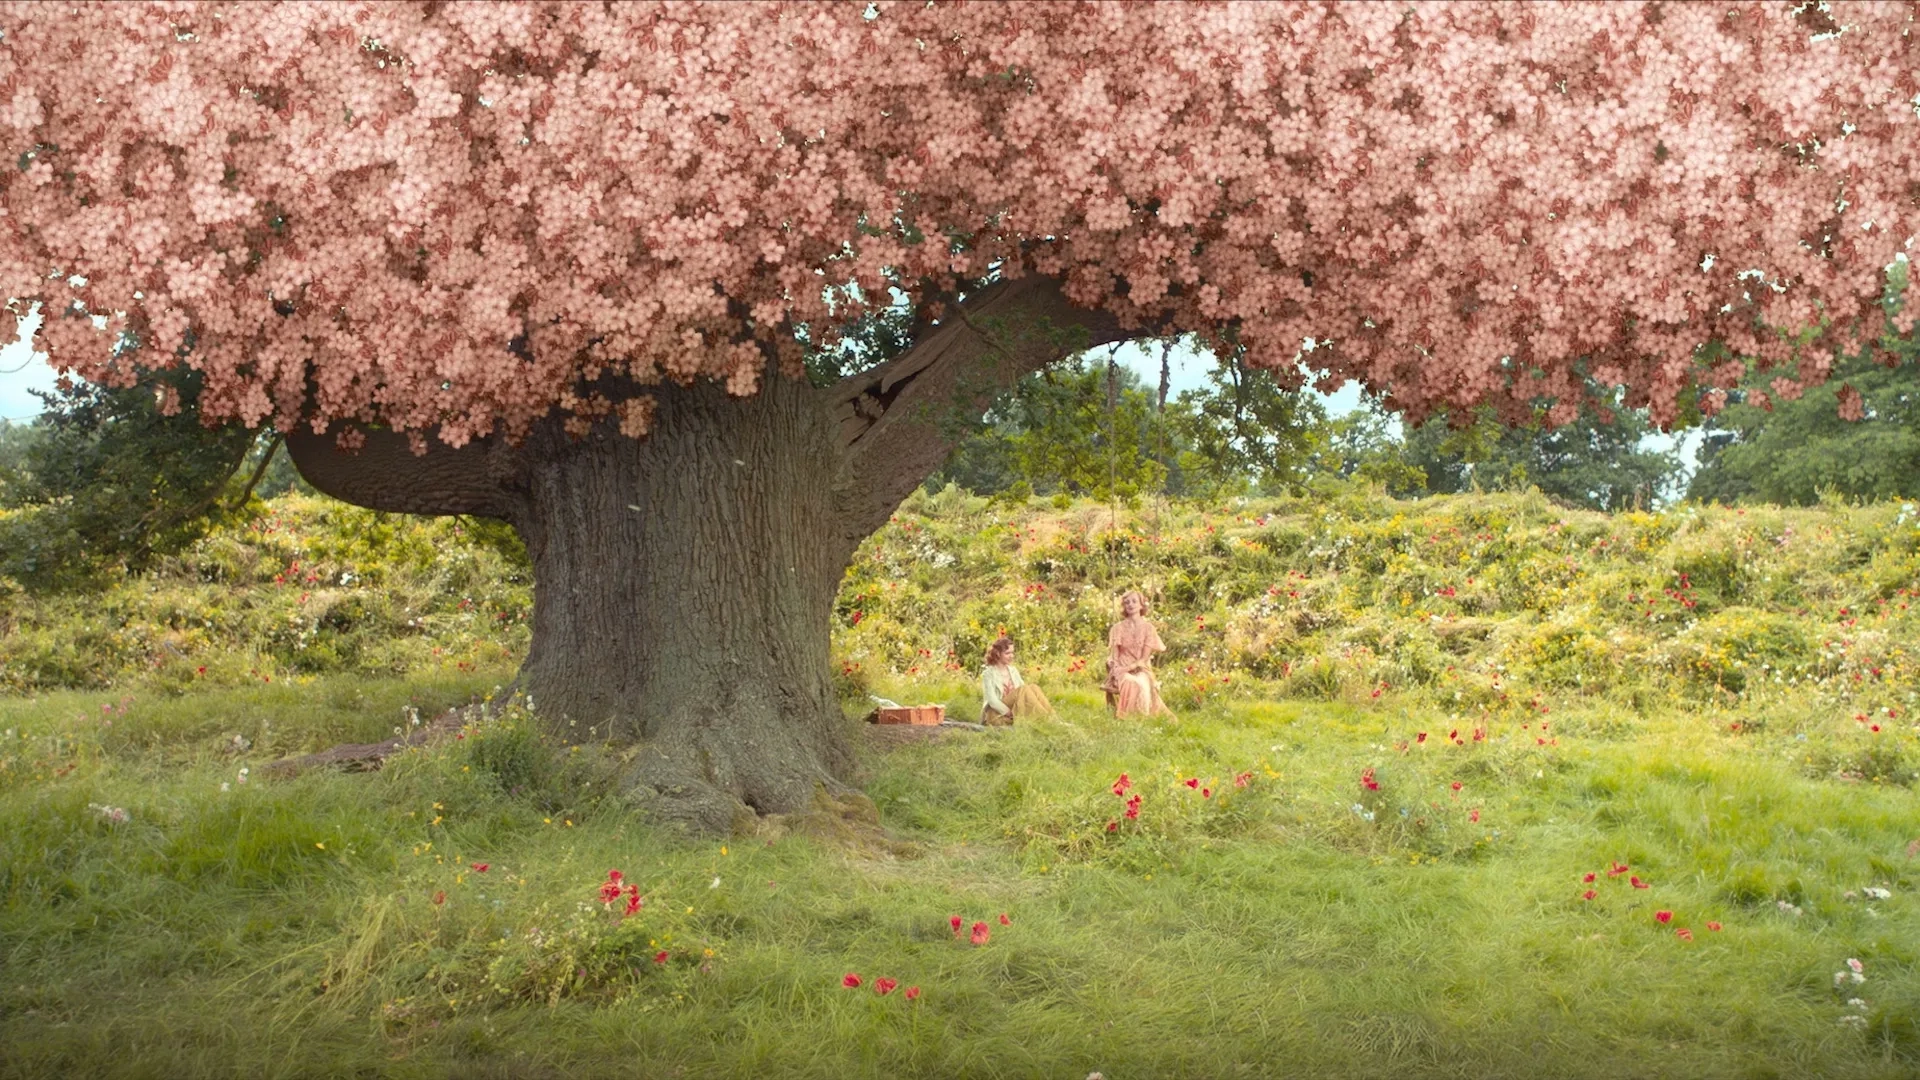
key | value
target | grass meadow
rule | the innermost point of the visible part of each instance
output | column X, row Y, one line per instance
column 1310, row 887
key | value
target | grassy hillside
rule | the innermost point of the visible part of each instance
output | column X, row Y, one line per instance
column 1309, row 888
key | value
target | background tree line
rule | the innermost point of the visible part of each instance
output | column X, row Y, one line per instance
column 102, row 482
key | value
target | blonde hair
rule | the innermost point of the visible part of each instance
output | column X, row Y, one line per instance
column 1136, row 595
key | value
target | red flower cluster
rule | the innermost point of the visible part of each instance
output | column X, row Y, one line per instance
column 1367, row 781
column 1121, row 785
column 1133, row 808
column 611, row 890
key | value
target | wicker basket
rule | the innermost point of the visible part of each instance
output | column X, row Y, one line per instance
column 917, row 715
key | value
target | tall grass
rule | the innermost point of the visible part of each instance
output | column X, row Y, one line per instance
column 1279, row 917
column 290, row 928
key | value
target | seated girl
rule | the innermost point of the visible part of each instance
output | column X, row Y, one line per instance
column 1130, row 686
column 1006, row 695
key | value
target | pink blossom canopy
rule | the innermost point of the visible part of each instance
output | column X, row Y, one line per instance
column 454, row 217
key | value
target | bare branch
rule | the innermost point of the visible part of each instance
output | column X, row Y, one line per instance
column 481, row 478
column 898, row 422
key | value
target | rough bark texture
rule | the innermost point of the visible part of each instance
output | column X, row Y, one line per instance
column 682, row 595
column 684, row 582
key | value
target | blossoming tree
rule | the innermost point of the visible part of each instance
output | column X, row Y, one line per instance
column 556, row 263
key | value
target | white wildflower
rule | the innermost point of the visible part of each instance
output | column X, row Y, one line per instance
column 1877, row 894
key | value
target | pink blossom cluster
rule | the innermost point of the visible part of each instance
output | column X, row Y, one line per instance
column 449, row 218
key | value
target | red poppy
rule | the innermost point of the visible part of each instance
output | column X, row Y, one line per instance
column 1420, row 738
column 1588, row 880
column 440, row 897
column 1588, row 895
column 884, row 986
column 1113, row 826
column 1367, row 781
column 1454, row 734
column 1714, row 926
column 1121, row 785
column 1684, row 934
column 1193, row 782
column 1663, row 916
column 1206, row 793
column 1133, row 811
column 980, row 933
column 1457, row 785
column 912, row 992
column 1638, row 884
column 1616, row 869
column 849, row 980
column 1243, row 779
column 480, row 867
column 634, row 900
column 1474, row 816
column 954, row 921
column 661, row 958
column 1004, row 921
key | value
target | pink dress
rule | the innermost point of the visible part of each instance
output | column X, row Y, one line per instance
column 1130, row 648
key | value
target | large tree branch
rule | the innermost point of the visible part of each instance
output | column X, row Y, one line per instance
column 899, row 422
column 481, row 478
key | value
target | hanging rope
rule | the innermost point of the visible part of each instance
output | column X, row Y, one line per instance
column 1113, row 461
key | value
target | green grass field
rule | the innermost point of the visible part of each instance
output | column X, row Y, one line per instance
column 1721, row 701
column 1302, row 925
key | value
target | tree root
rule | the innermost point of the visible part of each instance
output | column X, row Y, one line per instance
column 365, row 757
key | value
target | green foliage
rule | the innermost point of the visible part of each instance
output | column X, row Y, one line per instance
column 106, row 481
column 1088, row 427
column 1596, row 461
column 308, row 587
column 1490, row 606
column 1244, row 432
column 1794, row 451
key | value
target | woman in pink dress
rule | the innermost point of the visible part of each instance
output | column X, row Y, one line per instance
column 1130, row 686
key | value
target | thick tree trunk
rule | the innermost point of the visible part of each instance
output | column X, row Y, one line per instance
column 684, row 584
